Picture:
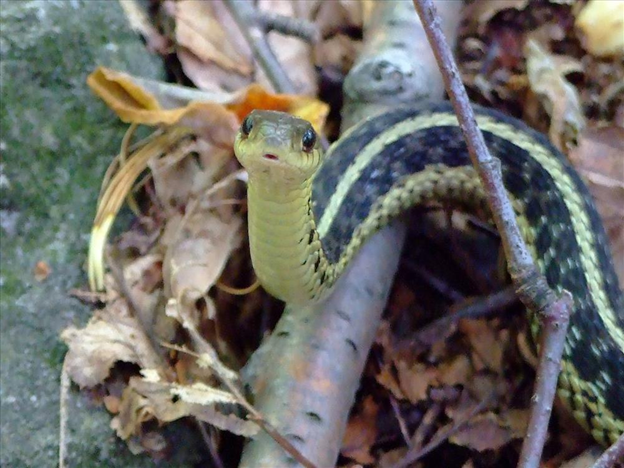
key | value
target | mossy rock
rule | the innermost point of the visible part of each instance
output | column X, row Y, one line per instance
column 56, row 142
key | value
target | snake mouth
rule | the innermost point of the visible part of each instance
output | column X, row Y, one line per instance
column 270, row 157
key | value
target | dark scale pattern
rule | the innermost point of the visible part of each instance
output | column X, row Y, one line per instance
column 340, row 156
column 525, row 178
column 603, row 251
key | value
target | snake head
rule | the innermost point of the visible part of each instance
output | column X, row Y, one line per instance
column 278, row 148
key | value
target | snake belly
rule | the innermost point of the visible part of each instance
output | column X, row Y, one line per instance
column 411, row 156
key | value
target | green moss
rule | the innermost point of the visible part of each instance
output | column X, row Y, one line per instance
column 56, row 140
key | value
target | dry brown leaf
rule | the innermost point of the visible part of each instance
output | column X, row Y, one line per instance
column 338, row 52
column 361, row 433
column 41, row 271
column 546, row 73
column 179, row 177
column 144, row 400
column 415, row 380
column 149, row 102
column 600, row 159
column 516, row 420
column 483, row 432
column 386, row 378
column 602, row 24
column 486, row 345
column 212, row 49
column 208, row 76
column 195, row 259
column 199, row 30
column 455, row 372
column 139, row 21
column 587, row 459
column 331, row 16
column 216, row 121
column 112, row 403
column 112, row 335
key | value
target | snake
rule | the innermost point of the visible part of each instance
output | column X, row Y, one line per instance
column 310, row 211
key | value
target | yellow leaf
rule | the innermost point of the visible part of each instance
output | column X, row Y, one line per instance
column 147, row 102
column 602, row 23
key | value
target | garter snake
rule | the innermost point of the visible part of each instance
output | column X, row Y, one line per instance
column 309, row 213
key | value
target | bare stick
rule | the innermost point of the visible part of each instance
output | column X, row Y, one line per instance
column 289, row 26
column 554, row 329
column 65, row 384
column 612, row 455
column 306, row 374
column 531, row 285
column 415, row 454
column 245, row 16
column 482, row 307
column 214, row 454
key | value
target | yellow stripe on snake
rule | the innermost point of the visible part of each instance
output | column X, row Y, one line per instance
column 309, row 213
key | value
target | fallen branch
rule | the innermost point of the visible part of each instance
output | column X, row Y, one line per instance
column 416, row 453
column 306, row 374
column 289, row 26
column 530, row 283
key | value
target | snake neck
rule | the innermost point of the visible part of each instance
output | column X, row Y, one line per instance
column 286, row 250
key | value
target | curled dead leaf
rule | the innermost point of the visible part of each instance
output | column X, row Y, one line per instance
column 415, row 380
column 111, row 335
column 149, row 102
column 145, row 400
column 200, row 30
column 195, row 259
column 481, row 433
column 546, row 73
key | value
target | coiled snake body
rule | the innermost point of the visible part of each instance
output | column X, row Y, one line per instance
column 309, row 214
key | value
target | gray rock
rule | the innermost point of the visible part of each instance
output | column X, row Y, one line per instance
column 56, row 141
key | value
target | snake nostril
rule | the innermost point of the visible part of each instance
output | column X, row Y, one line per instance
column 270, row 156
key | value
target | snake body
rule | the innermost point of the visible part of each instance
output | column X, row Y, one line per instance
column 309, row 214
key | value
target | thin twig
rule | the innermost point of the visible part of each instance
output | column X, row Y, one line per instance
column 612, row 455
column 413, row 455
column 480, row 308
column 214, row 454
column 245, row 16
column 64, row 395
column 436, row 283
column 426, row 426
column 553, row 334
column 400, row 420
column 530, row 284
column 289, row 26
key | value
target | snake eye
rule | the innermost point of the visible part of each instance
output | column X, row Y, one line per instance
column 308, row 140
column 247, row 126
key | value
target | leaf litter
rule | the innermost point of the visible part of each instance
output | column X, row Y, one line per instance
column 540, row 63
